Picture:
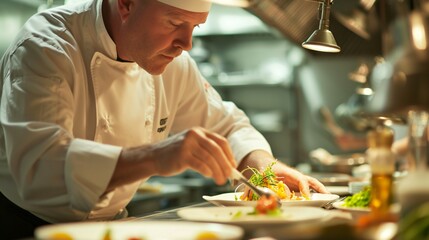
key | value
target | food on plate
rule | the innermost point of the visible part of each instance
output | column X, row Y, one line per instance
column 206, row 235
column 267, row 205
column 60, row 236
column 359, row 199
column 108, row 236
column 268, row 179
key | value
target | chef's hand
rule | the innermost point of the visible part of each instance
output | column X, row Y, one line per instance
column 294, row 179
column 198, row 149
column 297, row 181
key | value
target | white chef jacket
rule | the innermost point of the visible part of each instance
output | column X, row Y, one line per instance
column 68, row 108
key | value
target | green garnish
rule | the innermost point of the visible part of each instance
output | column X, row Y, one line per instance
column 237, row 215
column 273, row 212
column 359, row 199
column 265, row 179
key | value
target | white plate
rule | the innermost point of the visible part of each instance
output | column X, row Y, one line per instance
column 229, row 215
column 233, row 199
column 147, row 230
column 339, row 190
column 340, row 205
column 359, row 211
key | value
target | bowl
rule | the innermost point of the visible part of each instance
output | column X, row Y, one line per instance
column 338, row 163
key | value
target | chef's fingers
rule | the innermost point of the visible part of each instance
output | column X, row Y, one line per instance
column 304, row 187
column 311, row 183
column 316, row 185
column 202, row 156
column 307, row 183
column 200, row 166
column 211, row 153
column 226, row 149
column 218, row 156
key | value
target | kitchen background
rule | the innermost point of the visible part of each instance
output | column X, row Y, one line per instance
column 300, row 100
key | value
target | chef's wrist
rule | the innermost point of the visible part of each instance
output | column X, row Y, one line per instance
column 258, row 159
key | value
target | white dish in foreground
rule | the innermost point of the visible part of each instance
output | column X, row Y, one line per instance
column 339, row 190
column 340, row 205
column 233, row 199
column 147, row 230
column 240, row 215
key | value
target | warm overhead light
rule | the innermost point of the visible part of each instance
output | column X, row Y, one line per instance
column 322, row 39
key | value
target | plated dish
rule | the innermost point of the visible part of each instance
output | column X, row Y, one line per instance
column 395, row 208
column 242, row 215
column 356, row 212
column 233, row 199
column 142, row 230
column 340, row 205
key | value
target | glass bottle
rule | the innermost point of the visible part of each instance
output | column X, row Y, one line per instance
column 382, row 162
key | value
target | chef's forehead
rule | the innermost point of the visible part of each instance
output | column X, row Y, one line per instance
column 189, row 5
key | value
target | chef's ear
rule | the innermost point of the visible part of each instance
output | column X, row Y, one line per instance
column 124, row 8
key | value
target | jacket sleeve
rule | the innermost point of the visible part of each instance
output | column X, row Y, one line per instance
column 201, row 105
column 49, row 166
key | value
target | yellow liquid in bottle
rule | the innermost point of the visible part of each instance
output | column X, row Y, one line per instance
column 381, row 193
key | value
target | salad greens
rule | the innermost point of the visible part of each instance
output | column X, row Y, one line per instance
column 267, row 178
column 359, row 199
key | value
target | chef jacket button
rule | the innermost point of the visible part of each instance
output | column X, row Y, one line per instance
column 98, row 61
column 147, row 123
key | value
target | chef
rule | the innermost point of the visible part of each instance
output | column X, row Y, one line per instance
column 99, row 96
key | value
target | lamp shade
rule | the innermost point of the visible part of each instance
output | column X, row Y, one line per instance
column 361, row 19
column 355, row 20
column 322, row 40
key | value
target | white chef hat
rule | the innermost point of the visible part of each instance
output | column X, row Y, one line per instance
column 189, row 5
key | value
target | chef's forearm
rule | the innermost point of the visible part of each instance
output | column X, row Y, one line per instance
column 134, row 164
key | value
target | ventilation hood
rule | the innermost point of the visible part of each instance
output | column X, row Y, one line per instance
column 297, row 19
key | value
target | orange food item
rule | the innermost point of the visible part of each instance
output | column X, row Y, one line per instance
column 61, row 236
column 266, row 204
column 207, row 236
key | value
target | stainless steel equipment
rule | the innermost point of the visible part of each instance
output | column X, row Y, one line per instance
column 295, row 19
column 401, row 83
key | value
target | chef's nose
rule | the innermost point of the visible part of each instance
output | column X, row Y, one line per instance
column 184, row 40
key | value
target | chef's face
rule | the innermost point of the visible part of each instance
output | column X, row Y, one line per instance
column 153, row 33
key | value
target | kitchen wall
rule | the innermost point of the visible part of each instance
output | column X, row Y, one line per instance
column 252, row 70
column 325, row 82
column 13, row 14
column 284, row 102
